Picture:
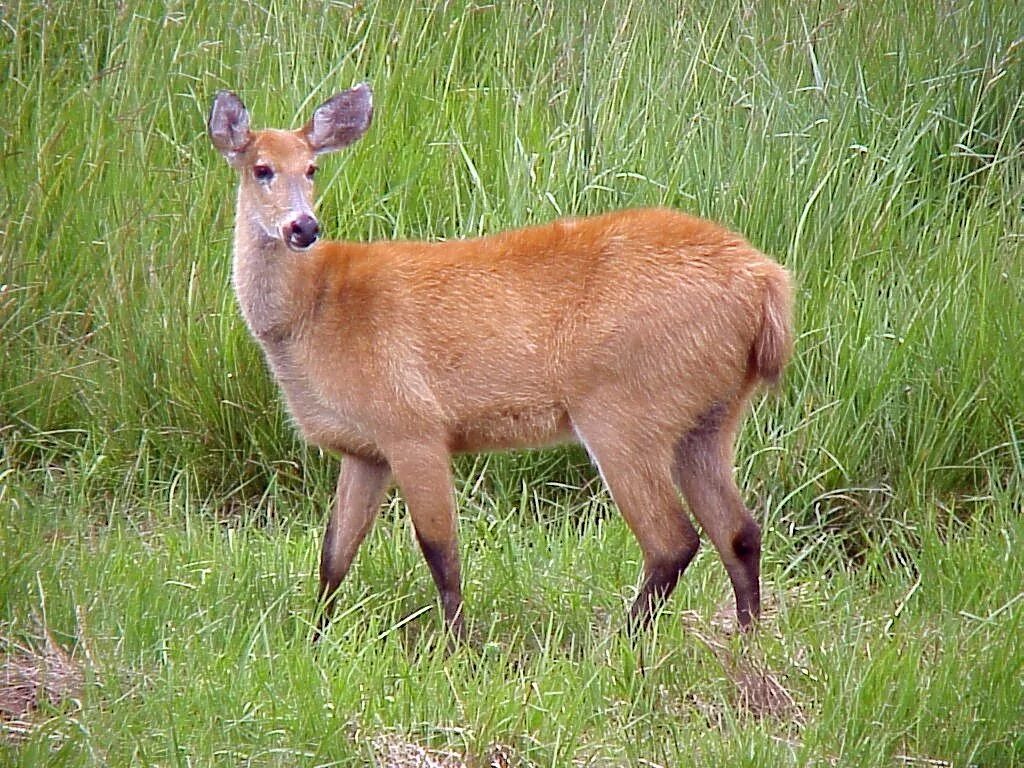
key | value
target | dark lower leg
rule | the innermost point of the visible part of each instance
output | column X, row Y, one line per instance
column 658, row 584
column 443, row 561
column 745, row 573
column 332, row 572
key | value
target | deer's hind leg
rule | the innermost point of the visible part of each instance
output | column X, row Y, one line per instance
column 704, row 473
column 638, row 474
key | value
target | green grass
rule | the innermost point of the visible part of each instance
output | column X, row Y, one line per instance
column 193, row 630
column 160, row 519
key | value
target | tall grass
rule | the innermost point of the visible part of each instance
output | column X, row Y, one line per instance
column 875, row 148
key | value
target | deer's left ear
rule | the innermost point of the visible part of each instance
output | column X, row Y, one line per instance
column 340, row 120
column 229, row 125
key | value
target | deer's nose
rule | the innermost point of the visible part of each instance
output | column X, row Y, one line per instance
column 302, row 232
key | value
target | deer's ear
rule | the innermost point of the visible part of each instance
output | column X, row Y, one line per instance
column 229, row 125
column 340, row 120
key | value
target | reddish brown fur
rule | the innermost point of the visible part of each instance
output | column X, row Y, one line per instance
column 640, row 333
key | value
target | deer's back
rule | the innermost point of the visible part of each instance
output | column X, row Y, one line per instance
column 494, row 339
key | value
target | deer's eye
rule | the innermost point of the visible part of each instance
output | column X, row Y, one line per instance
column 262, row 172
column 311, row 172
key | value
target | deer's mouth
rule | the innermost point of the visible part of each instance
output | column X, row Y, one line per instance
column 299, row 245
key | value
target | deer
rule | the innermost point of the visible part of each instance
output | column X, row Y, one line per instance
column 641, row 334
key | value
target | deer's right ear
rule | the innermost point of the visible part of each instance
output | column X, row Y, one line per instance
column 229, row 125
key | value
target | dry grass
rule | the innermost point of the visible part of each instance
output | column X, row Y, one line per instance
column 758, row 689
column 32, row 677
column 392, row 750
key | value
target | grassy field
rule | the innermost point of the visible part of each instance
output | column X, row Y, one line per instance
column 160, row 520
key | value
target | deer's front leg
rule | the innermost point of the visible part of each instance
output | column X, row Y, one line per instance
column 361, row 484
column 424, row 475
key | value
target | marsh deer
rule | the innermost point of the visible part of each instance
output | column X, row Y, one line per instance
column 640, row 334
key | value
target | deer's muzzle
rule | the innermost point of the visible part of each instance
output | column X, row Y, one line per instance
column 302, row 232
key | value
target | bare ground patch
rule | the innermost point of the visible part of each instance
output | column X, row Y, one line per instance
column 391, row 750
column 34, row 674
column 758, row 690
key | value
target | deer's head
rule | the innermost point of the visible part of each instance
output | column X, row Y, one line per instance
column 277, row 167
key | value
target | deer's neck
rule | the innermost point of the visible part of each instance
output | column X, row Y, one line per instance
column 267, row 278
